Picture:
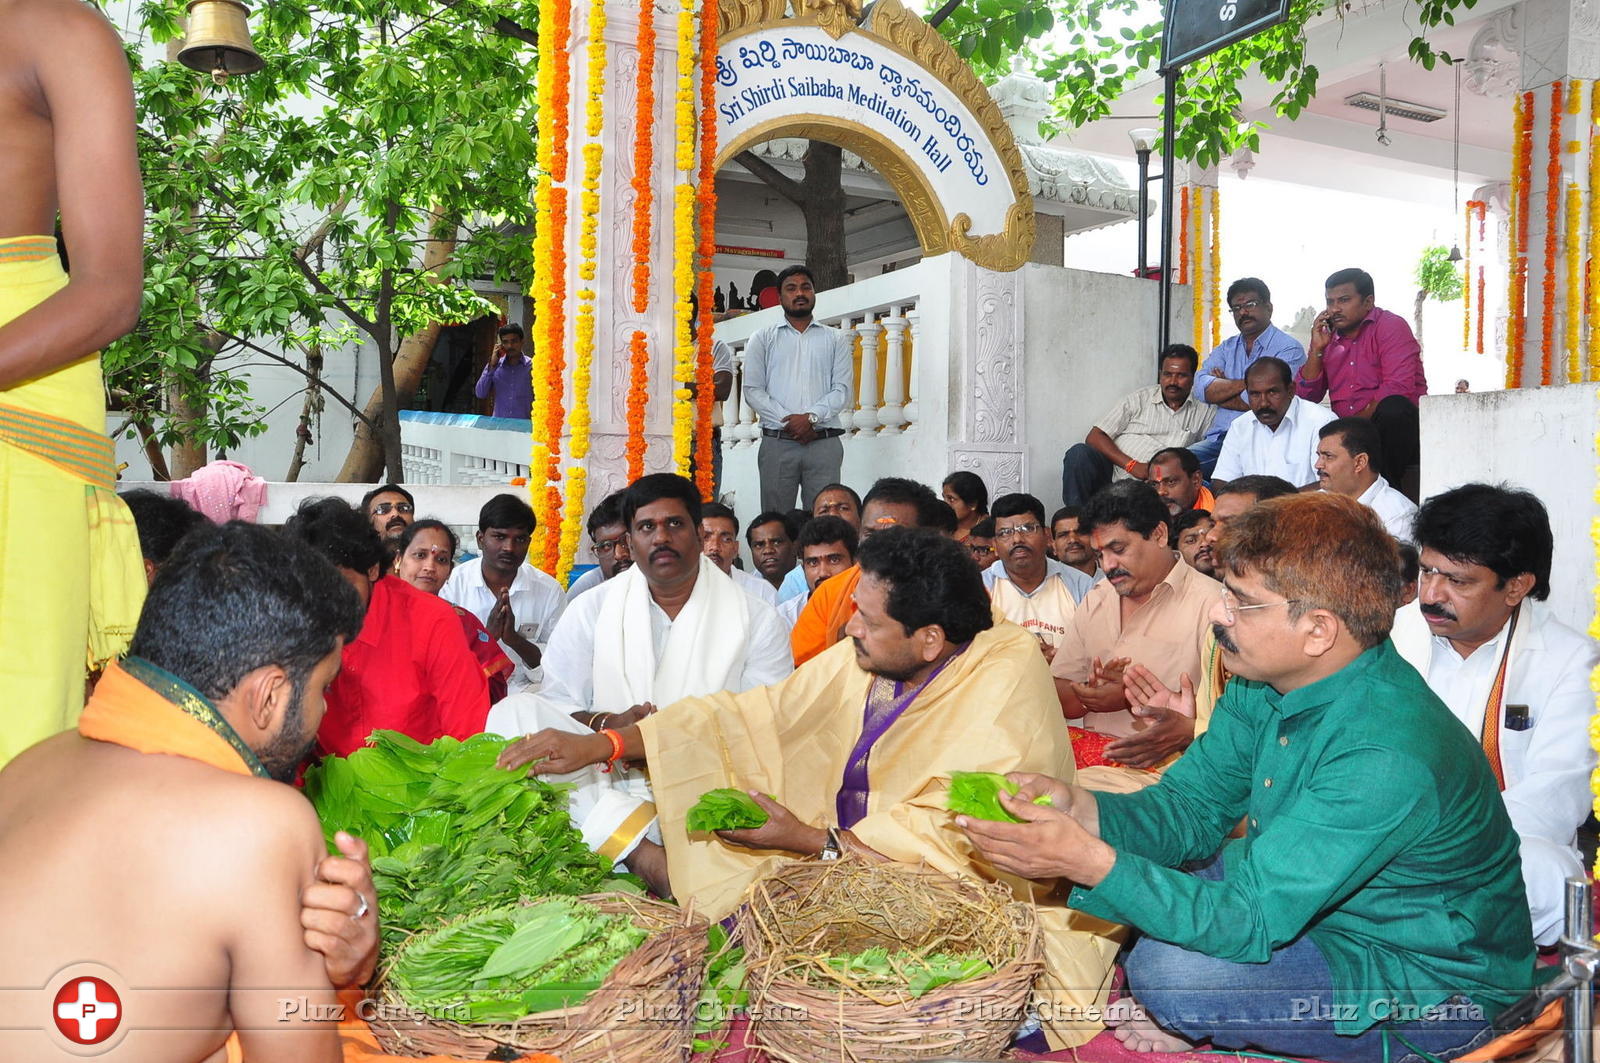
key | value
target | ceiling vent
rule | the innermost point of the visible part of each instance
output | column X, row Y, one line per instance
column 1417, row 112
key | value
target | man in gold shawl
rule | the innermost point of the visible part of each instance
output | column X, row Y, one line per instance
column 857, row 748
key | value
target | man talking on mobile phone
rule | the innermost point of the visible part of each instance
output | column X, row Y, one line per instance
column 509, row 375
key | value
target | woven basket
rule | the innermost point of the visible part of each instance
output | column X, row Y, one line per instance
column 643, row 1011
column 802, row 1013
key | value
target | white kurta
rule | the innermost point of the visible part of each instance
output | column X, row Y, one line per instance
column 1393, row 508
column 755, row 585
column 1252, row 449
column 537, row 601
column 1547, row 766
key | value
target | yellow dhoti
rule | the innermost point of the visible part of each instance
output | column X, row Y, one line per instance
column 71, row 577
column 992, row 708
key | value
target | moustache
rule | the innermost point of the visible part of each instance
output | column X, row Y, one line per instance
column 1118, row 573
column 396, row 522
column 1224, row 638
column 663, row 551
column 1437, row 610
column 1020, row 548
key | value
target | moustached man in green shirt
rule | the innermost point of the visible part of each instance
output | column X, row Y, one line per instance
column 1373, row 908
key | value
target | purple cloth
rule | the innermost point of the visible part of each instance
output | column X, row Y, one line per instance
column 512, row 384
column 1381, row 358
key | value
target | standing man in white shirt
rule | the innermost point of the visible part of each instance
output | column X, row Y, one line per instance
column 719, row 541
column 1349, row 455
column 1513, row 674
column 1281, row 438
column 515, row 602
column 1031, row 588
column 797, row 377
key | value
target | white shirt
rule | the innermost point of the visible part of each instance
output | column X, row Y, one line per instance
column 570, row 662
column 1393, row 508
column 1252, row 449
column 789, row 609
column 537, row 601
column 755, row 586
column 1047, row 609
column 787, row 371
column 586, row 582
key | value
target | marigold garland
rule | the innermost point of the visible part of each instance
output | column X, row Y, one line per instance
column 544, row 242
column 1552, row 204
column 1466, row 272
column 1574, row 290
column 644, row 163
column 706, row 195
column 1592, row 285
column 638, row 399
column 1183, row 235
column 1216, row 266
column 683, row 349
column 555, row 311
column 1516, row 284
column 1197, row 278
column 1594, row 633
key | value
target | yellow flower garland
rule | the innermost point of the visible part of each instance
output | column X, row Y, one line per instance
column 1197, row 274
column 1216, row 266
column 1593, row 285
column 1574, row 293
column 588, row 249
column 683, row 348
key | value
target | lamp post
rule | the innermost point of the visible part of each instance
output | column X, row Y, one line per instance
column 1143, row 143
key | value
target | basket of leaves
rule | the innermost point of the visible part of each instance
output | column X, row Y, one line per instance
column 866, row 961
column 607, row 977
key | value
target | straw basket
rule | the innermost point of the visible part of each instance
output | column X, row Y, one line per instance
column 643, row 1011
column 802, row 1010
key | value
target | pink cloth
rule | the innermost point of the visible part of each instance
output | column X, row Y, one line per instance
column 223, row 491
column 1380, row 359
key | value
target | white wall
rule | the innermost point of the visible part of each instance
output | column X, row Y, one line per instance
column 1538, row 439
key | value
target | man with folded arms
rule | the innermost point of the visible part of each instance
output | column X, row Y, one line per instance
column 857, row 748
column 1373, row 907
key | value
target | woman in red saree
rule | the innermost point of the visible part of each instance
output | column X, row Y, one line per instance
column 427, row 554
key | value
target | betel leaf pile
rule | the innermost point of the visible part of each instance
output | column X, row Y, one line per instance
column 977, row 793
column 449, row 832
column 724, row 809
column 505, row 963
column 880, row 968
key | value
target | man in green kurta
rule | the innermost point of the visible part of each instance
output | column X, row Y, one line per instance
column 1373, row 907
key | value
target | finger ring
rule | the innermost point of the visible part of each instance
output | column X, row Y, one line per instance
column 362, row 908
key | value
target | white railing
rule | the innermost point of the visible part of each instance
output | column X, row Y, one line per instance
column 883, row 314
column 463, row 453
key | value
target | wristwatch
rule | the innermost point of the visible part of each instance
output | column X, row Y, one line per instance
column 812, row 418
column 833, row 848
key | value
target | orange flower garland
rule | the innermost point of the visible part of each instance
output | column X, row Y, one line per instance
column 1483, row 214
column 638, row 397
column 1466, row 289
column 1183, row 234
column 644, row 194
column 1552, row 204
column 1592, row 286
column 1516, row 286
column 1197, row 278
column 706, row 197
column 549, row 515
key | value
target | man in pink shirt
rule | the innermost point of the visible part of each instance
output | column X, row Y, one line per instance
column 1370, row 365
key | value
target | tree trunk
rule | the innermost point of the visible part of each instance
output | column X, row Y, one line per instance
column 366, row 460
column 190, row 455
column 820, row 197
column 1422, row 297
column 302, row 432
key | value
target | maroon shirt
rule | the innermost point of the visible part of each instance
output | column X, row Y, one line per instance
column 1380, row 358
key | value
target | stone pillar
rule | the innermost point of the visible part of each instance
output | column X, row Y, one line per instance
column 615, row 318
column 1498, row 197
column 988, row 430
column 1560, row 42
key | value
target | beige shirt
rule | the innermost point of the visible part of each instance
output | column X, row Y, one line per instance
column 1143, row 424
column 1044, row 614
column 1165, row 634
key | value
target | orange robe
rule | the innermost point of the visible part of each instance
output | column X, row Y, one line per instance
column 822, row 621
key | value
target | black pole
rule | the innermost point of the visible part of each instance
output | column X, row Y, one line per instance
column 1169, row 132
column 1144, row 213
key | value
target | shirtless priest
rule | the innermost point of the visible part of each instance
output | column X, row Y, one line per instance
column 857, row 748
column 156, row 849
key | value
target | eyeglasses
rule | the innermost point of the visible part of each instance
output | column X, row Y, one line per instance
column 1231, row 607
column 383, row 508
column 1017, row 529
column 980, row 550
column 1251, row 305
column 606, row 547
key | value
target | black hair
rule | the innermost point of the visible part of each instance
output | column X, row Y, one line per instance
column 1185, row 456
column 970, row 488
column 1264, row 488
column 1133, row 503
column 984, row 529
column 941, row 517
column 1410, row 563
column 1183, row 522
column 1075, row 512
column 1494, row 525
column 796, row 270
column 846, row 488
column 932, row 580
column 656, row 487
column 337, row 531
column 898, row 491
column 1016, row 505
column 383, row 489
column 710, row 510
column 771, row 516
column 241, row 597
column 1359, row 277
column 417, row 526
column 162, row 521
column 511, row 329
column 1358, row 436
column 827, row 529
column 1249, row 284
column 609, row 511
column 1276, row 365
column 1180, row 350
column 507, row 511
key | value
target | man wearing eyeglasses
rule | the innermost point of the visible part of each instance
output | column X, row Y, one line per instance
column 391, row 509
column 1221, row 378
column 1028, row 586
column 608, row 543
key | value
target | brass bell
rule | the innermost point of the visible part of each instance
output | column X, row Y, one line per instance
column 218, row 41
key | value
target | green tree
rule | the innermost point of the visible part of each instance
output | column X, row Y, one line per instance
column 1438, row 278
column 344, row 194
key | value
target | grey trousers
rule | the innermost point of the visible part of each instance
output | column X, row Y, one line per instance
column 787, row 465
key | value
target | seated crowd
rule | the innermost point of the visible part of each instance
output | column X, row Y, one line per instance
column 1316, row 757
